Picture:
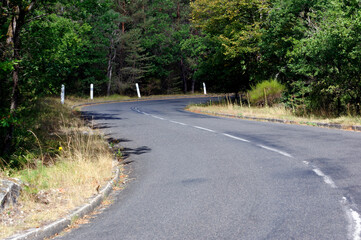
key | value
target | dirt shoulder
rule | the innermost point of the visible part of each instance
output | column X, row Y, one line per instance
column 66, row 167
column 277, row 114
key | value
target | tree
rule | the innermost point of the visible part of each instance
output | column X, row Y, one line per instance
column 44, row 45
column 157, row 27
column 329, row 56
column 236, row 26
column 287, row 23
column 16, row 14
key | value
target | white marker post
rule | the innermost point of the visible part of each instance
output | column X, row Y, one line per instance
column 204, row 89
column 62, row 95
column 91, row 91
column 138, row 91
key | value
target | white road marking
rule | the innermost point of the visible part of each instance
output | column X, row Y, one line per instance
column 234, row 137
column 354, row 228
column 356, row 224
column 276, row 150
column 326, row 178
column 183, row 124
column 157, row 117
column 205, row 129
column 354, row 217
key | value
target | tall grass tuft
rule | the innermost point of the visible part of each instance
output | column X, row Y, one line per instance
column 266, row 93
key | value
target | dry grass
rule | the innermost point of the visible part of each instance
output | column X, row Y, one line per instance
column 71, row 100
column 277, row 112
column 60, row 183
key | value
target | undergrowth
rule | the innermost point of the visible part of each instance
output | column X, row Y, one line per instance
column 278, row 111
column 266, row 93
column 61, row 163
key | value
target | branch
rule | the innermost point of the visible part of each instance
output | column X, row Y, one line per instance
column 37, row 17
column 30, row 6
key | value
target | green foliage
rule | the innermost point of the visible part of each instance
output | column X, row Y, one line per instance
column 61, row 56
column 149, row 49
column 235, row 26
column 35, row 179
column 287, row 23
column 34, row 130
column 329, row 56
column 266, row 93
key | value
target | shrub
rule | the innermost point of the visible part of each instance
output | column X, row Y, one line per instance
column 266, row 93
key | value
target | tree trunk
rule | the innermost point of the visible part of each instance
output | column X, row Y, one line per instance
column 123, row 27
column 109, row 75
column 183, row 75
column 193, row 83
column 178, row 13
column 112, row 55
column 125, row 13
column 13, row 43
column 144, row 15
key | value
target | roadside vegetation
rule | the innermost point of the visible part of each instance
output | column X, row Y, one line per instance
column 268, row 99
column 60, row 161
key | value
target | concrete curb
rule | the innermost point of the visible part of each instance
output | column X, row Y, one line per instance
column 315, row 124
column 59, row 225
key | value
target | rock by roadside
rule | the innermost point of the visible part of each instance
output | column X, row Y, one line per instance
column 9, row 192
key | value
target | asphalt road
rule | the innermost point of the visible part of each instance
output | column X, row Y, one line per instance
column 205, row 177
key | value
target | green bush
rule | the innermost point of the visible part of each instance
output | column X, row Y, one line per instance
column 266, row 93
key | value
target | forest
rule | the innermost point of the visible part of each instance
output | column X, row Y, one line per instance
column 312, row 47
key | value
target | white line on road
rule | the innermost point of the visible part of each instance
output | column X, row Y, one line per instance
column 237, row 138
column 183, row 124
column 157, row 117
column 354, row 229
column 356, row 224
column 326, row 178
column 205, row 129
column 276, row 150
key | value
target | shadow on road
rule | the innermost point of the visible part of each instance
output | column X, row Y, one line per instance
column 127, row 152
column 89, row 115
column 116, row 141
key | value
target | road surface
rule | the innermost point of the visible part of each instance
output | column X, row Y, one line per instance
column 204, row 177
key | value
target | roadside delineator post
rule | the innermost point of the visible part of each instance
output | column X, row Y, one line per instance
column 138, row 91
column 91, row 91
column 204, row 89
column 62, row 95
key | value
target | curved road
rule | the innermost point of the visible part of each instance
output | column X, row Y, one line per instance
column 205, row 177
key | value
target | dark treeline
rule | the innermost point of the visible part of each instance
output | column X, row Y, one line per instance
column 172, row 46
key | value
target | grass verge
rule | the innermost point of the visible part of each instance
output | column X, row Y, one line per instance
column 66, row 165
column 276, row 112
